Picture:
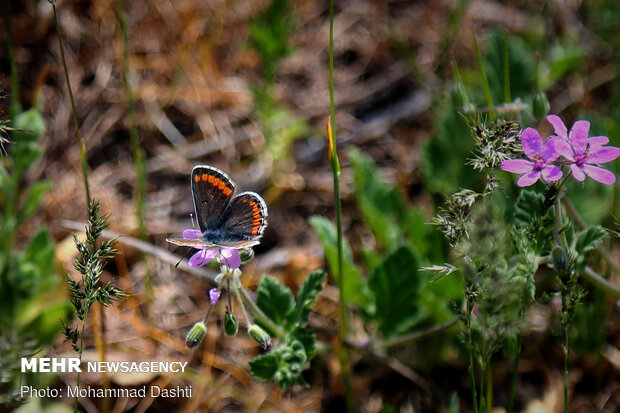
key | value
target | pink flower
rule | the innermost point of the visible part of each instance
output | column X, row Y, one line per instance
column 582, row 152
column 214, row 295
column 540, row 155
column 228, row 256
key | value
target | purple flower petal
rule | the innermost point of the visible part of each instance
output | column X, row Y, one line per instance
column 577, row 173
column 603, row 154
column 564, row 148
column 578, row 136
column 192, row 234
column 551, row 173
column 517, row 166
column 528, row 178
column 599, row 174
column 230, row 257
column 531, row 142
column 558, row 126
column 598, row 140
column 202, row 257
column 214, row 295
column 549, row 153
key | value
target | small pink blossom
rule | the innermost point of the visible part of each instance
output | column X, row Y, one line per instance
column 582, row 152
column 214, row 295
column 541, row 155
column 228, row 256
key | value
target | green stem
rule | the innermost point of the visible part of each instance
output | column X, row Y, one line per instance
column 489, row 389
column 73, row 111
column 566, row 349
column 343, row 325
column 483, row 373
column 470, row 369
column 77, row 383
column 259, row 316
column 513, row 381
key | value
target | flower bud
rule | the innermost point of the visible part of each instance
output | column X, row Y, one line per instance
column 560, row 259
column 458, row 94
column 260, row 336
column 196, row 334
column 540, row 105
column 214, row 295
column 246, row 255
column 231, row 325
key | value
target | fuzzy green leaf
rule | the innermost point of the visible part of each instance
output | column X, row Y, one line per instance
column 396, row 284
column 307, row 338
column 355, row 288
column 265, row 366
column 275, row 300
column 307, row 295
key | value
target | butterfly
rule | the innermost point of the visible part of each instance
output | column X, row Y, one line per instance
column 226, row 219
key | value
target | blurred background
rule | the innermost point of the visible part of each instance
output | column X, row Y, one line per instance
column 243, row 86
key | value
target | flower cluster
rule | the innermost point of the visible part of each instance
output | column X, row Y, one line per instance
column 581, row 154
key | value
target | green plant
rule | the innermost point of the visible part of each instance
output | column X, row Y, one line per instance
column 31, row 292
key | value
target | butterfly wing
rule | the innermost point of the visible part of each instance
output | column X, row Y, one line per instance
column 183, row 242
column 212, row 190
column 244, row 221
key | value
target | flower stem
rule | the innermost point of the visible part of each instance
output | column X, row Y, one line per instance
column 335, row 165
column 566, row 354
column 259, row 316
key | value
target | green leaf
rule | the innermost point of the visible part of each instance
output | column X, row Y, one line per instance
column 442, row 158
column 265, row 366
column 307, row 295
column 381, row 204
column 30, row 125
column 531, row 215
column 307, row 338
column 396, row 284
column 586, row 241
column 356, row 289
column 275, row 300
column 33, row 198
column 520, row 66
column 589, row 239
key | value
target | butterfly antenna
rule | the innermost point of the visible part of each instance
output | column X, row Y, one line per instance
column 184, row 256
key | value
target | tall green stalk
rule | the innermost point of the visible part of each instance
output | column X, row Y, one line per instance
column 335, row 165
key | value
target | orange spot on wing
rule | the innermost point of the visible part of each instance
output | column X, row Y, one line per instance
column 227, row 191
column 256, row 215
column 204, row 177
column 222, row 185
column 197, row 178
column 255, row 231
column 216, row 181
column 257, row 222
